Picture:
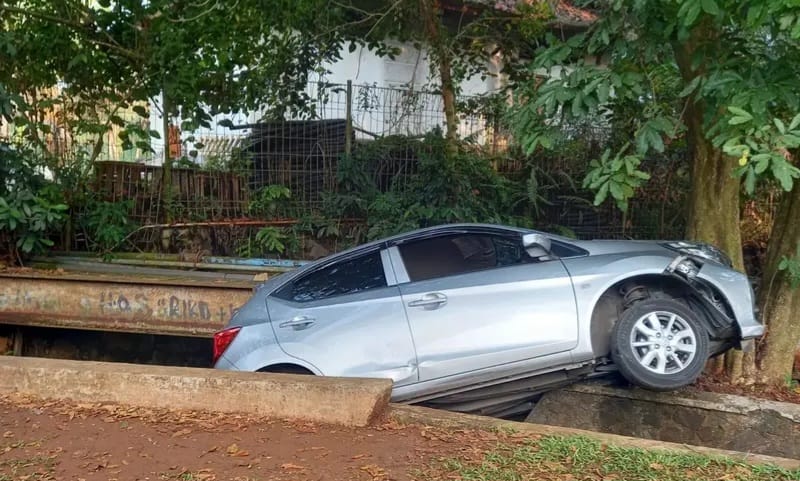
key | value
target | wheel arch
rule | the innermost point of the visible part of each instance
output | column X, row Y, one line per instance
column 287, row 368
column 624, row 292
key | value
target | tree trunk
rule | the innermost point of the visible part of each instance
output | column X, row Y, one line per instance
column 713, row 212
column 778, row 300
column 429, row 11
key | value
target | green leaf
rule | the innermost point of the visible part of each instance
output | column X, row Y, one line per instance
column 795, row 122
column 779, row 124
column 603, row 92
column 739, row 120
column 616, row 191
column 691, row 87
column 141, row 111
column 739, row 112
column 577, row 104
column 692, row 13
column 601, row 195
column 750, row 181
column 641, row 142
column 710, row 7
column 27, row 244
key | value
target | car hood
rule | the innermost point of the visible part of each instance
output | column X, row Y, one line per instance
column 601, row 247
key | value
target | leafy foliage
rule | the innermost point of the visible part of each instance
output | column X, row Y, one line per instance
column 268, row 200
column 30, row 208
column 107, row 224
column 716, row 69
column 790, row 265
column 771, row 143
column 268, row 240
column 618, row 176
column 114, row 57
column 446, row 187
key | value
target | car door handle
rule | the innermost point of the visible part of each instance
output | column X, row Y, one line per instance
column 430, row 301
column 298, row 323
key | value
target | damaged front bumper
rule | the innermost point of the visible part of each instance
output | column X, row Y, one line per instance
column 727, row 293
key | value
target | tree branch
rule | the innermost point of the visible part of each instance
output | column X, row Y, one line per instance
column 77, row 27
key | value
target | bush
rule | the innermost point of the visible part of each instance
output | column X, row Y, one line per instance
column 31, row 207
column 106, row 224
column 441, row 187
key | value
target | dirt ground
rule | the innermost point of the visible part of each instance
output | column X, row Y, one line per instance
column 62, row 441
column 789, row 393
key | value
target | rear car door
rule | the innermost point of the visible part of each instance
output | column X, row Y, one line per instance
column 476, row 300
column 346, row 319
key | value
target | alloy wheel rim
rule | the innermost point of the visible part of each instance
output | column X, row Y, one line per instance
column 663, row 342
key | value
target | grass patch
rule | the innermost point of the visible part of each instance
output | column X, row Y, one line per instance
column 580, row 458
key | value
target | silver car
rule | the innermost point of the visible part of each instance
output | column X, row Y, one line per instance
column 484, row 318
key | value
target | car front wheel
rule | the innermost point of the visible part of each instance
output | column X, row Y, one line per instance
column 660, row 345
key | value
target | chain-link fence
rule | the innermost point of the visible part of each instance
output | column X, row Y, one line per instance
column 216, row 170
column 236, row 168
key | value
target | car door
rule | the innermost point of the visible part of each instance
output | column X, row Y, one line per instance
column 476, row 300
column 346, row 319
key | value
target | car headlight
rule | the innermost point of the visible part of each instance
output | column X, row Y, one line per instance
column 701, row 250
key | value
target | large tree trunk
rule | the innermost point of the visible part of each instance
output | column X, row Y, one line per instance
column 779, row 302
column 713, row 216
column 713, row 212
column 430, row 12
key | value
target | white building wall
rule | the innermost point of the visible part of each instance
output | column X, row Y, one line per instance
column 389, row 98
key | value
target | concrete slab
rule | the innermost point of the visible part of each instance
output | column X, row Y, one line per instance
column 432, row 417
column 346, row 401
column 721, row 421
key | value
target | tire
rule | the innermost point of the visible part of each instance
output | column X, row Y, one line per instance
column 652, row 363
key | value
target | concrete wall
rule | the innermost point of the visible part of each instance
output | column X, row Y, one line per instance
column 704, row 419
column 350, row 401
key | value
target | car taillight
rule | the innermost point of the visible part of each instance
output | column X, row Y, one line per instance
column 222, row 340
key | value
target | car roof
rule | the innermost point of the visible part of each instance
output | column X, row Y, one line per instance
column 445, row 228
column 415, row 234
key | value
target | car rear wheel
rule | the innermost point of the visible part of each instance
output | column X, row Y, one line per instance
column 660, row 344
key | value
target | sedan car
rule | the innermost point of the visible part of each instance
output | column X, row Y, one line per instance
column 483, row 318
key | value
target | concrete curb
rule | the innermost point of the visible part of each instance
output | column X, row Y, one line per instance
column 405, row 414
column 347, row 401
column 709, row 401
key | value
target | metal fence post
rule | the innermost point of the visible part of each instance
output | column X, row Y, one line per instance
column 348, row 130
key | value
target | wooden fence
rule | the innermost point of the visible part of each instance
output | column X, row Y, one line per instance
column 196, row 194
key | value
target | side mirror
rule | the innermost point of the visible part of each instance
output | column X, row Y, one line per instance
column 537, row 245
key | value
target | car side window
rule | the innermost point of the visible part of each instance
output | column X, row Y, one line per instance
column 340, row 278
column 459, row 254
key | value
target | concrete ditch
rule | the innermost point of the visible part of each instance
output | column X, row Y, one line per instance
column 714, row 420
column 346, row 401
column 434, row 417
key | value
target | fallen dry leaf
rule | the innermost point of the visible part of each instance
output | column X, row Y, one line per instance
column 376, row 472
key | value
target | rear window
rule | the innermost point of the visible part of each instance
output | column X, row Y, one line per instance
column 350, row 276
